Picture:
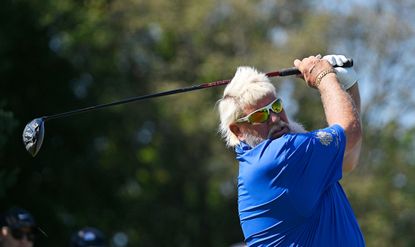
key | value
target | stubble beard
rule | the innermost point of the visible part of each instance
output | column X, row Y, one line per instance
column 253, row 140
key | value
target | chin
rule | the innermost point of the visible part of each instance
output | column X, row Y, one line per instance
column 252, row 140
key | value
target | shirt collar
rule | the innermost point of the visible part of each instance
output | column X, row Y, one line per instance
column 242, row 147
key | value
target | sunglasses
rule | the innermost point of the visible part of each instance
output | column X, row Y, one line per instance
column 19, row 234
column 262, row 114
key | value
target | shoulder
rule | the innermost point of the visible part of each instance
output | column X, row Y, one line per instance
column 290, row 144
column 331, row 135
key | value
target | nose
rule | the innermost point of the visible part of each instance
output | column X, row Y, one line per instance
column 274, row 117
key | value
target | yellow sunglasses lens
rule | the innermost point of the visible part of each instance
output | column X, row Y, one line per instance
column 277, row 106
column 259, row 116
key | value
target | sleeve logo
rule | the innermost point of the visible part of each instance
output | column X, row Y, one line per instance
column 324, row 138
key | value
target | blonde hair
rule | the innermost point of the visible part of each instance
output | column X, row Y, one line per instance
column 246, row 88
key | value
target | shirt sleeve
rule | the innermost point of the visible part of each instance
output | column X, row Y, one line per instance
column 314, row 166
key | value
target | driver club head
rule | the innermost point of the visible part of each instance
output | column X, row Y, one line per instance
column 33, row 135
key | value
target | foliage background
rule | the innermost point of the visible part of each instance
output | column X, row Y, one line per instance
column 156, row 173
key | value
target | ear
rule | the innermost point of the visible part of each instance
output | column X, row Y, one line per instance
column 236, row 130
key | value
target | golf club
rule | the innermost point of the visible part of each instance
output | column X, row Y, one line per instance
column 34, row 131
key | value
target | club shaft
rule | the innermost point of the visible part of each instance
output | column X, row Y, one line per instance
column 282, row 72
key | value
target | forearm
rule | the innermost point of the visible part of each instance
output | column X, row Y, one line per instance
column 351, row 158
column 355, row 95
column 343, row 108
column 339, row 108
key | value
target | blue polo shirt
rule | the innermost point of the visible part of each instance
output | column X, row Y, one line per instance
column 289, row 192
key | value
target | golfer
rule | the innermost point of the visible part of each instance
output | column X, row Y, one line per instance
column 18, row 228
column 288, row 185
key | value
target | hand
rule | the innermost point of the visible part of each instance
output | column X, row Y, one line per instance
column 313, row 69
column 347, row 76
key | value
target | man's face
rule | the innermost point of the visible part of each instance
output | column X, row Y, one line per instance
column 276, row 126
column 21, row 239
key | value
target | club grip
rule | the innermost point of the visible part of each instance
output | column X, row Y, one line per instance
column 295, row 71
